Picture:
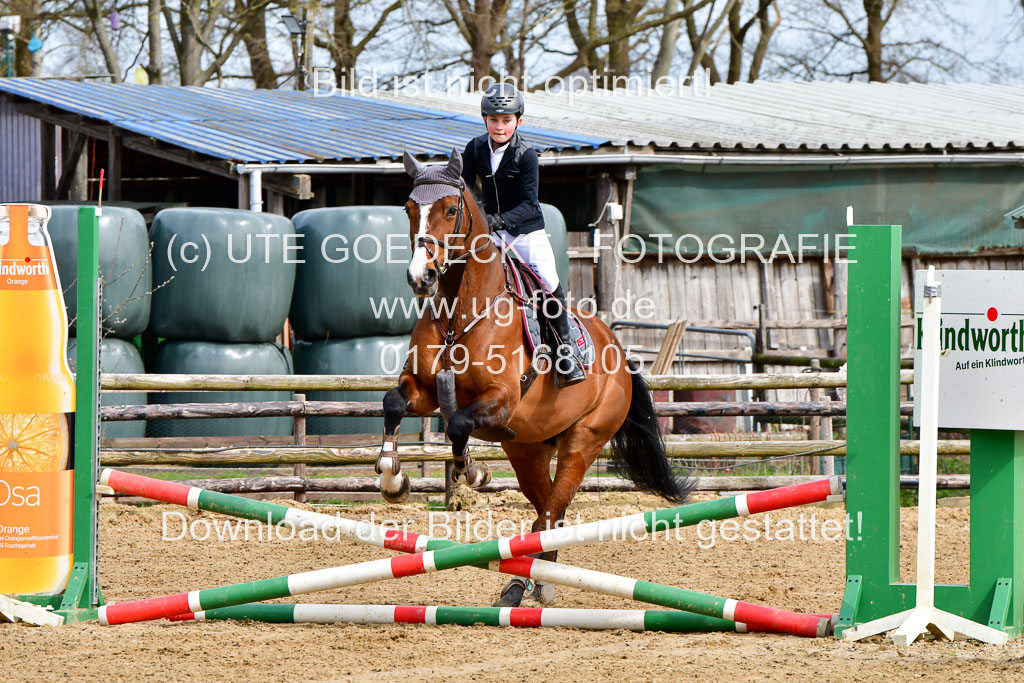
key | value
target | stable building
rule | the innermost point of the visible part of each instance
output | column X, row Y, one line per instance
column 725, row 208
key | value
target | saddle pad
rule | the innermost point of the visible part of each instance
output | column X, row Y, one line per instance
column 525, row 282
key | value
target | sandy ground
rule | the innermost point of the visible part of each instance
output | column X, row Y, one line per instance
column 136, row 562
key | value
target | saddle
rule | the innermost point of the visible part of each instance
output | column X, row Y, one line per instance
column 524, row 284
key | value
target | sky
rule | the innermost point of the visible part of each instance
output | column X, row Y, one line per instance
column 988, row 23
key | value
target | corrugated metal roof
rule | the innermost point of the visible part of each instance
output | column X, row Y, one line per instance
column 792, row 116
column 267, row 126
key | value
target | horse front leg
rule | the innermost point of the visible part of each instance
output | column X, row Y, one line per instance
column 489, row 409
column 394, row 483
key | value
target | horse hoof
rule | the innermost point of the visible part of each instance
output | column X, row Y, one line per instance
column 393, row 493
column 511, row 594
column 478, row 475
column 544, row 593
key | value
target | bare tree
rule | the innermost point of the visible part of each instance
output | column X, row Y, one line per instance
column 493, row 38
column 528, row 25
column 480, row 24
column 253, row 28
column 874, row 40
column 603, row 44
column 703, row 40
column 154, row 38
column 667, row 43
column 343, row 40
column 99, row 30
column 767, row 27
column 35, row 15
column 708, row 40
column 205, row 26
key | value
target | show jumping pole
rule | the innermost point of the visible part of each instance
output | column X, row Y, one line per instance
column 596, row 619
column 440, row 554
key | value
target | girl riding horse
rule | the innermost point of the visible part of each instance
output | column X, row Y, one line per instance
column 507, row 169
column 472, row 363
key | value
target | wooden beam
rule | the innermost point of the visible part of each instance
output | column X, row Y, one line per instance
column 114, row 156
column 275, row 203
column 669, row 345
column 295, row 185
column 67, row 174
column 322, row 456
column 191, row 442
column 48, row 165
column 243, row 192
column 138, row 143
column 606, row 236
column 72, row 122
column 156, row 148
column 304, row 409
column 158, row 382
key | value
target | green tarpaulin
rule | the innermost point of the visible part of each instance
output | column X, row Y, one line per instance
column 943, row 210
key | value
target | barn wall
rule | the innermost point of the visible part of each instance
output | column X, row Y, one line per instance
column 20, row 172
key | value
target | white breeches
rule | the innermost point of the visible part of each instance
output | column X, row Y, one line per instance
column 534, row 249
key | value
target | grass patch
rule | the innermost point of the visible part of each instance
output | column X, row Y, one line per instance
column 213, row 474
column 908, row 497
column 945, row 465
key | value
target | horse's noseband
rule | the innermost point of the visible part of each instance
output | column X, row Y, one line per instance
column 431, row 243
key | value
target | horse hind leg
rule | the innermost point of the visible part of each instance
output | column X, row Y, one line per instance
column 532, row 465
column 578, row 447
column 517, row 588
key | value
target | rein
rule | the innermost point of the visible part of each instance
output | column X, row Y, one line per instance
column 431, row 244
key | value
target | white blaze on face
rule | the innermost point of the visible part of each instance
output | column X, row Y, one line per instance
column 418, row 264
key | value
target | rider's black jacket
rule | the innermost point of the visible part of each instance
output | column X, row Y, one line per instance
column 511, row 192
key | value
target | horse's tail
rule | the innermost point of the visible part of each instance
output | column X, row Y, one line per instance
column 639, row 450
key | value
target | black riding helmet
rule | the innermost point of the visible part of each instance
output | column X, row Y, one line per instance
column 502, row 98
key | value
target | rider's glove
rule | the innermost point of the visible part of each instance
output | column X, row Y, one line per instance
column 495, row 222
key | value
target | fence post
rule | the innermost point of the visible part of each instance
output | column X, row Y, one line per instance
column 815, row 420
column 664, row 364
column 828, row 462
column 299, row 431
column 428, row 436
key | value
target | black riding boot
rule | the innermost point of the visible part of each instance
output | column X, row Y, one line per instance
column 568, row 370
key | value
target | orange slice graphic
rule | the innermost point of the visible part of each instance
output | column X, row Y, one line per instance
column 33, row 442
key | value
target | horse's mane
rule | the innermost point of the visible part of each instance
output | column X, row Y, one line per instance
column 475, row 204
column 476, row 195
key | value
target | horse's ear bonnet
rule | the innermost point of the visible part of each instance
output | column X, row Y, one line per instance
column 431, row 183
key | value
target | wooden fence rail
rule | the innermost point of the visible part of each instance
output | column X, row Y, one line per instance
column 280, row 455
column 170, row 411
column 305, row 383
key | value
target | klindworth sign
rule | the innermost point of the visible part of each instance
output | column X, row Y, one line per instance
column 981, row 334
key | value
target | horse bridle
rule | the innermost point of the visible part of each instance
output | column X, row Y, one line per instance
column 431, row 243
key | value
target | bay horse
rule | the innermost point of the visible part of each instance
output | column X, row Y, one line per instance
column 472, row 364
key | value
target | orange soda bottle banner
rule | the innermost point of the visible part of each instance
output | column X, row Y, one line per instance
column 37, row 394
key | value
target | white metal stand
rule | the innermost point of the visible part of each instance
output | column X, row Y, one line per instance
column 925, row 617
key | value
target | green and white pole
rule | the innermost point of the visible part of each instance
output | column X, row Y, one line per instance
column 506, row 555
column 527, row 617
